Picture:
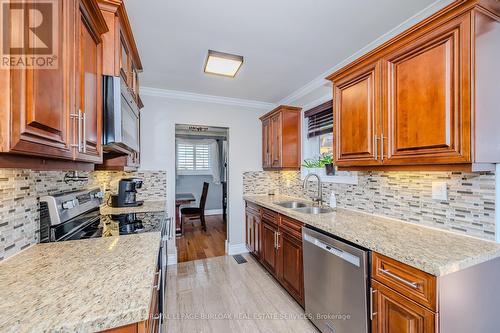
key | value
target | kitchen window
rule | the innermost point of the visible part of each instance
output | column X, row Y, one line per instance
column 318, row 140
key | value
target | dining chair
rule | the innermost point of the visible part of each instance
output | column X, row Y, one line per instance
column 196, row 212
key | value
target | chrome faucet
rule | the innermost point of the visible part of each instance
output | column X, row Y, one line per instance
column 319, row 198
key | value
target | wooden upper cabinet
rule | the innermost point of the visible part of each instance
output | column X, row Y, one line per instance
column 276, row 141
column 120, row 53
column 266, row 143
column 39, row 104
column 427, row 98
column 88, row 125
column 424, row 99
column 56, row 113
column 281, row 139
column 357, row 116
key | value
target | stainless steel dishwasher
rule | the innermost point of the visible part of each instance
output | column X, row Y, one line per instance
column 336, row 282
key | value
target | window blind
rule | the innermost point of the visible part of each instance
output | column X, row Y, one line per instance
column 320, row 120
column 193, row 157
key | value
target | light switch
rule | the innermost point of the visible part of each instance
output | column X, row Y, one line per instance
column 440, row 191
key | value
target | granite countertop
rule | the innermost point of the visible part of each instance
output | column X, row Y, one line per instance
column 149, row 206
column 433, row 251
column 79, row 286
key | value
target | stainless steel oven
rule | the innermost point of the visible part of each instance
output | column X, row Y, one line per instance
column 121, row 117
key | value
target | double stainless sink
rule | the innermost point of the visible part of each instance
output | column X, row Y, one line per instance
column 304, row 208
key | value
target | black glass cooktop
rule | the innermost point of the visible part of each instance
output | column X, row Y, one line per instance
column 94, row 225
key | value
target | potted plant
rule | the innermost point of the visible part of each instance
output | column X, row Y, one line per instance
column 313, row 166
column 326, row 161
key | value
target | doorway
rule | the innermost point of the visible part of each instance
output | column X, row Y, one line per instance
column 201, row 183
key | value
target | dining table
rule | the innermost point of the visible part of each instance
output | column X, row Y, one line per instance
column 181, row 199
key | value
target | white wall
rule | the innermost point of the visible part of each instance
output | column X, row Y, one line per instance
column 158, row 119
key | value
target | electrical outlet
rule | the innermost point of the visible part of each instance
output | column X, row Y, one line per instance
column 440, row 191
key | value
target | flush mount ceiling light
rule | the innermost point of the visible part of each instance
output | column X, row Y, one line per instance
column 224, row 64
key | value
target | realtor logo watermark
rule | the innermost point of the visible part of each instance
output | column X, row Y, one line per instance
column 29, row 34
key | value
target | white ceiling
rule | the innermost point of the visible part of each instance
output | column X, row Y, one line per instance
column 286, row 43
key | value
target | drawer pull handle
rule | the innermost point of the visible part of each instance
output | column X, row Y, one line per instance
column 372, row 314
column 413, row 285
column 159, row 280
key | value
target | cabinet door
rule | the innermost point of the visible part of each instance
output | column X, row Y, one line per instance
column 291, row 273
column 276, row 121
column 427, row 99
column 269, row 253
column 256, row 236
column 357, row 111
column 40, row 117
column 249, row 231
column 125, row 61
column 89, row 85
column 394, row 313
column 266, row 143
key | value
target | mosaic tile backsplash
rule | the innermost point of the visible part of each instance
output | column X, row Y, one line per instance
column 21, row 189
column 470, row 208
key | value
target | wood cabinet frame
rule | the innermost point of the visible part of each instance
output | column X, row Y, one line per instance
column 281, row 139
column 368, row 120
column 38, row 107
column 454, row 38
column 455, row 42
column 276, row 242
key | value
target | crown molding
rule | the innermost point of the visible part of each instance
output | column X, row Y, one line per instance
column 316, row 102
column 189, row 96
column 320, row 80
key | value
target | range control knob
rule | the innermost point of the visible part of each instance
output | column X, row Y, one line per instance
column 98, row 195
column 69, row 204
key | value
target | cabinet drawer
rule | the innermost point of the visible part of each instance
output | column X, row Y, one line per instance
column 270, row 216
column 253, row 208
column 413, row 283
column 292, row 227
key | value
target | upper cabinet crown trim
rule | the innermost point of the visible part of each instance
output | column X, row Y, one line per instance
column 281, row 108
column 97, row 19
column 319, row 81
column 118, row 7
column 448, row 12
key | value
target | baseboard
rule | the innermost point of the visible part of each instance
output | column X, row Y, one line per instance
column 213, row 212
column 233, row 249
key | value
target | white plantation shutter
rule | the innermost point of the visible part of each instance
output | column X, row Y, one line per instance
column 202, row 157
column 193, row 157
column 185, row 156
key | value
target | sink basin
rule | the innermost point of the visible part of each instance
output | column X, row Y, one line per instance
column 292, row 204
column 314, row 210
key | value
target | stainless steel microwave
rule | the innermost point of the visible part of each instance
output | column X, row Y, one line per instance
column 121, row 117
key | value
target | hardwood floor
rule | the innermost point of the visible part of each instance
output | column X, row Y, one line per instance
column 198, row 244
column 218, row 295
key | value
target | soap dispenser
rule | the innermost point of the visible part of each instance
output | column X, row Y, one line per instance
column 333, row 200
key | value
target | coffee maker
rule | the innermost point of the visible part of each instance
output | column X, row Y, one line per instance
column 128, row 223
column 127, row 192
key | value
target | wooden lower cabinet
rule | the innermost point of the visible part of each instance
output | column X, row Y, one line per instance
column 394, row 313
column 290, row 271
column 269, row 255
column 276, row 242
column 252, row 225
